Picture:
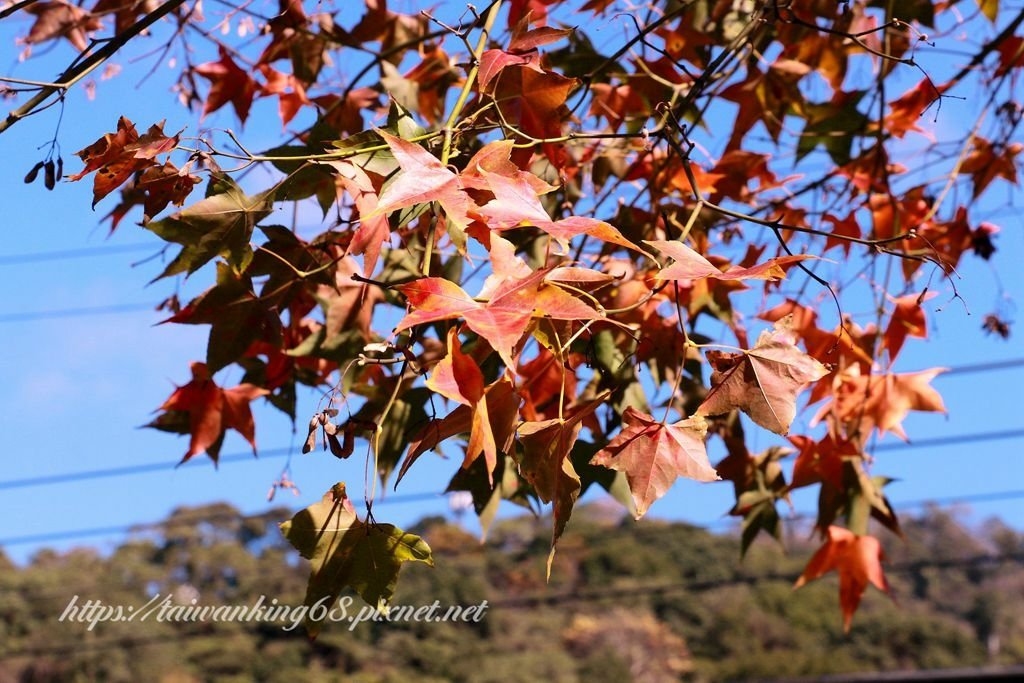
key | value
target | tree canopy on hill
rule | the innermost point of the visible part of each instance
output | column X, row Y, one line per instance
column 598, row 620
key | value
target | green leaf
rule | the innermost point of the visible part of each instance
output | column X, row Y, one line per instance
column 290, row 165
column 832, row 126
column 346, row 551
column 402, row 124
column 867, row 500
column 758, row 516
column 617, row 373
column 408, row 413
column 237, row 318
column 309, row 180
column 487, row 496
column 221, row 224
column 380, row 161
column 579, row 58
column 615, row 483
column 404, row 92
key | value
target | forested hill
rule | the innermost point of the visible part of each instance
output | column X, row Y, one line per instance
column 645, row 602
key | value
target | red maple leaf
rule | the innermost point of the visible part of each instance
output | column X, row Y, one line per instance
column 545, row 463
column 61, row 19
column 907, row 320
column 289, row 90
column 847, row 227
column 423, row 179
column 531, row 99
column 864, row 402
column 905, row 111
column 543, row 381
column 820, row 461
column 516, row 203
column 347, row 116
column 986, row 162
column 503, row 320
column 842, row 344
column 502, row 412
column 117, row 156
column 458, row 378
column 228, row 83
column 690, row 265
column 654, row 454
column 374, row 229
column 212, row 411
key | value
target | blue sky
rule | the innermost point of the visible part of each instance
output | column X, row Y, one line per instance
column 75, row 389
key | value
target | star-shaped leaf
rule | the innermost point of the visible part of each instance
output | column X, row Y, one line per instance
column 690, row 265
column 228, row 83
column 346, row 551
column 502, row 410
column 209, row 411
column 858, row 559
column 654, row 454
column 865, row 402
column 503, row 320
column 764, row 381
column 545, row 463
column 220, row 224
column 116, row 157
column 516, row 203
column 458, row 378
column 423, row 179
column 57, row 19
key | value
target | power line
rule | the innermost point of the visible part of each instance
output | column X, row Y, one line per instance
column 29, row 316
column 127, row 470
column 428, row 496
column 124, row 308
column 789, row 577
column 531, row 601
column 185, row 518
column 952, row 440
column 66, row 254
column 984, row 367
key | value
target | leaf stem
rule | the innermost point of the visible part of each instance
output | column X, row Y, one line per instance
column 467, row 87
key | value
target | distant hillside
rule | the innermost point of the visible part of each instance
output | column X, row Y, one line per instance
column 644, row 602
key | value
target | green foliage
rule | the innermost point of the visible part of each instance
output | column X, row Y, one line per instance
column 712, row 626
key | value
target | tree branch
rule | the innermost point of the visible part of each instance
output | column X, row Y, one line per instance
column 76, row 73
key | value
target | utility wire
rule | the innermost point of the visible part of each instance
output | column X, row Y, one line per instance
column 66, row 477
column 983, row 367
column 951, row 440
column 66, row 254
column 751, row 579
column 186, row 518
column 84, row 312
column 533, row 600
column 127, row 470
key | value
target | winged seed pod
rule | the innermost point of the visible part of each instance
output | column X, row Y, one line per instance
column 31, row 176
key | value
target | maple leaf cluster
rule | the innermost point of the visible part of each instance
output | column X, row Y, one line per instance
column 572, row 264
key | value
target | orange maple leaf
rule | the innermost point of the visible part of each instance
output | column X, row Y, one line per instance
column 864, row 402
column 458, row 378
column 857, row 559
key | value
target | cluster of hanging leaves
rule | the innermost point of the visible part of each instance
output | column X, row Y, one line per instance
column 549, row 253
